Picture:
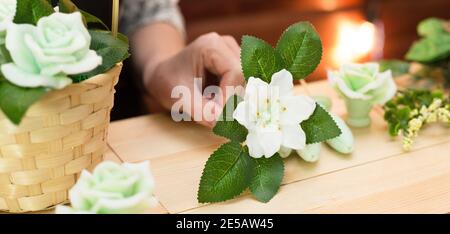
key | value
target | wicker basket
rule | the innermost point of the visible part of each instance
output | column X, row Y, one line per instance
column 60, row 136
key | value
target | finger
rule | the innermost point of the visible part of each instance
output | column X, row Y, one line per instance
column 232, row 83
column 204, row 110
column 217, row 57
column 232, row 44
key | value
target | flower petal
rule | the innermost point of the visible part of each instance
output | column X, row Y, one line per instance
column 8, row 11
column 86, row 64
column 283, row 82
column 270, row 142
column 295, row 109
column 146, row 182
column 256, row 94
column 254, row 148
column 386, row 90
column 20, row 54
column 342, row 87
column 134, row 204
column 21, row 78
column 43, row 59
column 293, row 137
column 241, row 115
column 381, row 78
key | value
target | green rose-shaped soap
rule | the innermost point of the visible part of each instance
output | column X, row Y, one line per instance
column 362, row 86
column 112, row 189
column 44, row 55
column 7, row 13
column 364, row 81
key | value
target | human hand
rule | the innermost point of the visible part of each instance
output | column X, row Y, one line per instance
column 213, row 53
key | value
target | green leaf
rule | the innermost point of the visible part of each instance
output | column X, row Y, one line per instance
column 30, row 11
column 301, row 49
column 227, row 126
column 267, row 177
column 259, row 59
column 431, row 27
column 92, row 19
column 227, row 174
column 397, row 67
column 430, row 49
column 320, row 127
column 5, row 57
column 15, row 101
column 67, row 6
column 113, row 50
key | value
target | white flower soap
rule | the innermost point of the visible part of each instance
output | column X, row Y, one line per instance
column 44, row 55
column 7, row 13
column 272, row 115
column 112, row 189
column 362, row 86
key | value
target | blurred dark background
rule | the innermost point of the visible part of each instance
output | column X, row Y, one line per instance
column 351, row 30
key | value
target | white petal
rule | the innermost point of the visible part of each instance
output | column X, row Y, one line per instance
column 254, row 148
column 147, row 182
column 8, row 11
column 86, row 64
column 381, row 79
column 365, row 69
column 270, row 141
column 386, row 88
column 43, row 59
column 391, row 91
column 241, row 115
column 134, row 204
column 20, row 54
column 295, row 109
column 73, row 21
column 23, row 79
column 77, row 44
column 342, row 87
column 256, row 92
column 255, row 84
column 283, row 81
column 293, row 137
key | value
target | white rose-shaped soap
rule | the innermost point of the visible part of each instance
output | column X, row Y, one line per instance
column 7, row 13
column 45, row 54
column 112, row 189
column 362, row 86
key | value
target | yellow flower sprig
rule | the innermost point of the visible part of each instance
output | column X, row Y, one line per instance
column 410, row 110
column 431, row 114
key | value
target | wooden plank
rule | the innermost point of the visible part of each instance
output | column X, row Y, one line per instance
column 152, row 136
column 179, row 172
column 431, row 196
column 411, row 171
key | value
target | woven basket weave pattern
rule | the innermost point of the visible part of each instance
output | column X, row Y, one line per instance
column 60, row 135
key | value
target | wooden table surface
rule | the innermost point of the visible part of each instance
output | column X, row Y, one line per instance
column 379, row 177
